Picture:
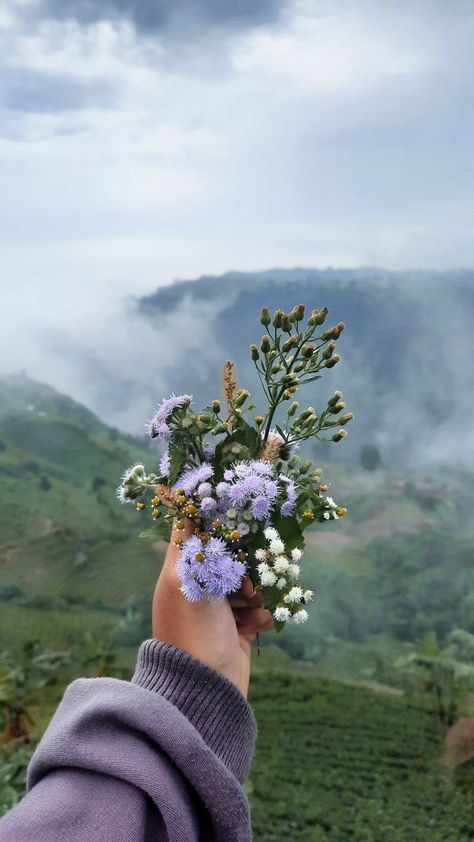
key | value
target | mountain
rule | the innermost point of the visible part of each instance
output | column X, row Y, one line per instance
column 407, row 353
column 398, row 564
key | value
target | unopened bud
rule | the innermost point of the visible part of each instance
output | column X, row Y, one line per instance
column 277, row 318
column 309, row 411
column 204, row 419
column 216, row 406
column 306, row 466
column 339, row 327
column 277, row 368
column 329, row 351
column 339, row 435
column 286, row 323
column 309, row 420
column 294, row 461
column 335, row 398
column 218, row 429
column 254, row 352
column 265, row 346
column 265, row 317
column 242, row 396
column 287, row 394
column 259, row 419
column 290, row 343
column 299, row 312
column 299, row 367
column 343, row 419
column 309, row 350
column 294, row 406
column 320, row 316
column 332, row 362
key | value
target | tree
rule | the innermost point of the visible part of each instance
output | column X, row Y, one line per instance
column 370, row 458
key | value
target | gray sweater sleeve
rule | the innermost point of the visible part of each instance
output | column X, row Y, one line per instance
column 162, row 757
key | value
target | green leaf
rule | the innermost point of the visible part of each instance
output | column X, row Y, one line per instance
column 160, row 531
column 177, row 463
column 290, row 531
column 279, row 625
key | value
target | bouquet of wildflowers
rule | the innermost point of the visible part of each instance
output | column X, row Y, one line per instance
column 238, row 476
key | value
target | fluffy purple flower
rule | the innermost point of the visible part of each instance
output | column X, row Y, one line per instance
column 288, row 506
column 204, row 489
column 193, row 477
column 213, row 576
column 229, row 475
column 165, row 464
column 271, row 489
column 237, row 494
column 208, row 505
column 158, row 427
column 254, row 484
column 222, row 489
column 260, row 508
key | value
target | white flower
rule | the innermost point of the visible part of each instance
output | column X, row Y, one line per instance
column 260, row 555
column 243, row 528
column 281, row 564
column 277, row 546
column 281, row 583
column 282, row 614
column 270, row 533
column 296, row 554
column 294, row 595
column 263, row 567
column 300, row 616
column 268, row 577
column 335, row 516
column 293, row 570
column 326, row 515
column 331, row 502
column 308, row 595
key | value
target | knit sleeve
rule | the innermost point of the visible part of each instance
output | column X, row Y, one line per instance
column 162, row 757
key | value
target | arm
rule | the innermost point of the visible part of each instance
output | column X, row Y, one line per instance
column 163, row 756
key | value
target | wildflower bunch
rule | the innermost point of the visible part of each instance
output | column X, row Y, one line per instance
column 236, row 471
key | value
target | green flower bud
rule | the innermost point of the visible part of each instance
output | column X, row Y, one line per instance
column 335, row 398
column 339, row 435
column 254, row 352
column 294, row 406
column 277, row 318
column 306, row 466
column 265, row 346
column 338, row 407
column 318, row 317
column 216, row 406
column 218, row 429
column 299, row 367
column 309, row 421
column 265, row 317
column 286, row 323
column 242, row 396
column 290, row 343
column 294, row 461
column 306, row 412
column 308, row 350
column 343, row 419
column 290, row 379
column 329, row 351
column 328, row 334
column 277, row 368
column 332, row 362
column 299, row 312
column 204, row 419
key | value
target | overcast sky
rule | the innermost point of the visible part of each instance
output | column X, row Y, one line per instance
column 145, row 140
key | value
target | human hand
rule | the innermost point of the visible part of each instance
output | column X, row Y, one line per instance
column 217, row 632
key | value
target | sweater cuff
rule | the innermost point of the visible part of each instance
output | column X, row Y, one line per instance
column 212, row 703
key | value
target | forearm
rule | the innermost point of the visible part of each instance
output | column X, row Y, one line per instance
column 169, row 749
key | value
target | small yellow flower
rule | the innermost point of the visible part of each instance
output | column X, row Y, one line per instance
column 217, row 524
column 140, row 506
column 235, row 535
column 308, row 514
column 341, row 511
column 156, row 501
column 155, row 514
column 178, row 542
column 259, row 419
column 180, row 524
column 200, row 556
column 180, row 499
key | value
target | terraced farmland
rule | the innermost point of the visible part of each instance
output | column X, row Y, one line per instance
column 336, row 763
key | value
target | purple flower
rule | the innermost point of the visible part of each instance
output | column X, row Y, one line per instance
column 254, row 484
column 222, row 489
column 271, row 489
column 237, row 494
column 228, row 475
column 192, row 477
column 165, row 464
column 288, row 506
column 204, row 489
column 157, row 427
column 215, row 573
column 260, row 508
column 208, row 504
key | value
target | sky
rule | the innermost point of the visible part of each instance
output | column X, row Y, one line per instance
column 147, row 140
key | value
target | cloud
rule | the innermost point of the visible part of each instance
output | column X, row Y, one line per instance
column 162, row 15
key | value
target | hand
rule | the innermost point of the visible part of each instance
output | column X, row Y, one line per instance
column 217, row 632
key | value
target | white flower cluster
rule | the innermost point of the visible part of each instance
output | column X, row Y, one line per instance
column 134, row 481
column 277, row 569
column 330, row 513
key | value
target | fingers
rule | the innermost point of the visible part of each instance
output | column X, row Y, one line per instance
column 253, row 620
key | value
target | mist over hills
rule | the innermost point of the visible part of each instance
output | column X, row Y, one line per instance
column 407, row 352
column 406, row 367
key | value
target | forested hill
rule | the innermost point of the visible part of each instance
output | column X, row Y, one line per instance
column 406, row 355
